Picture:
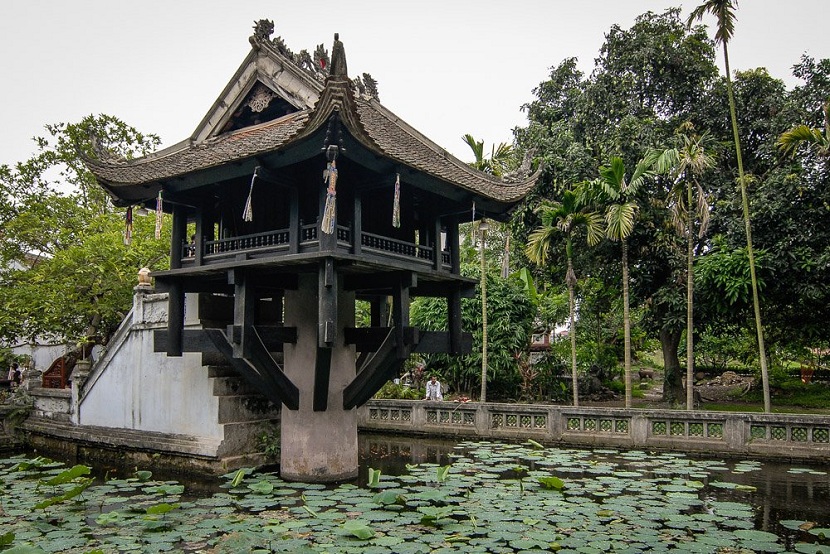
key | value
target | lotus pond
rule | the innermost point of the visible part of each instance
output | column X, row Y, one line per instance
column 416, row 496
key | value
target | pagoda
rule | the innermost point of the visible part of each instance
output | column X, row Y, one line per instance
column 298, row 194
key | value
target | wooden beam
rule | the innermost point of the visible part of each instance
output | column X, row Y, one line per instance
column 260, row 370
column 377, row 370
column 196, row 340
column 386, row 280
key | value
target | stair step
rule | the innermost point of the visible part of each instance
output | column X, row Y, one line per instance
column 240, row 408
column 233, row 386
column 221, row 371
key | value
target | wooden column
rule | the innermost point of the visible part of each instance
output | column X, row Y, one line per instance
column 294, row 225
column 199, row 245
column 436, row 241
column 400, row 310
column 244, row 302
column 379, row 311
column 357, row 223
column 452, row 243
column 178, row 236
column 327, row 307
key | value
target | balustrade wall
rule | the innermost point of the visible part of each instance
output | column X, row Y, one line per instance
column 729, row 433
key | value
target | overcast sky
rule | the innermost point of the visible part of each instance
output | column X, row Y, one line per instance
column 447, row 67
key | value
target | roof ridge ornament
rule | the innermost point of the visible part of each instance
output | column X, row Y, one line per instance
column 338, row 59
column 315, row 65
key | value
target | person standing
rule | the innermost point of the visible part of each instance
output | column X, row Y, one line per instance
column 434, row 389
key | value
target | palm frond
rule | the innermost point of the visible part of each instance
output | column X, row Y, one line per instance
column 789, row 141
column 620, row 220
column 477, row 147
column 701, row 210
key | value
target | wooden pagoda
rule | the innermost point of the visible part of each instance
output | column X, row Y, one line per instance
column 297, row 194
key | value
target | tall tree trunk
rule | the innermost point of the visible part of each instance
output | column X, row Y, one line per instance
column 626, row 325
column 672, row 381
column 690, row 289
column 745, row 203
column 570, row 279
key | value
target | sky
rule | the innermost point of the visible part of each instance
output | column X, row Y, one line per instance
column 446, row 67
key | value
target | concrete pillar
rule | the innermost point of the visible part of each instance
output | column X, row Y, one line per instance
column 318, row 446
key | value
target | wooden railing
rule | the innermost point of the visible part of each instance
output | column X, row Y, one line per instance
column 57, row 376
column 279, row 241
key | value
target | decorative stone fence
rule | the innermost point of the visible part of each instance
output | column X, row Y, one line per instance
column 726, row 433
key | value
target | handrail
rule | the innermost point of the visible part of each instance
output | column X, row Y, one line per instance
column 267, row 239
column 279, row 240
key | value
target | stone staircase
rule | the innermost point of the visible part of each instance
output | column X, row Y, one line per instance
column 243, row 412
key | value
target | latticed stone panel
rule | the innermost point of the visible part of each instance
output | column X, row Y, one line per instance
column 603, row 425
column 453, row 418
column 793, row 433
column 518, row 421
column 390, row 414
column 691, row 429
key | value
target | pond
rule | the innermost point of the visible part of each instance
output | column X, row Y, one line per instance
column 428, row 496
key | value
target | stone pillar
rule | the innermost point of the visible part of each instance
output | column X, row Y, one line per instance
column 318, row 446
column 78, row 378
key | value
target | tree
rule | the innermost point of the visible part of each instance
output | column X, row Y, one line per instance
column 619, row 195
column 499, row 162
column 688, row 205
column 565, row 217
column 510, row 311
column 789, row 141
column 724, row 11
column 65, row 268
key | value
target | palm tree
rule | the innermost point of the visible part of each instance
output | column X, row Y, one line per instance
column 497, row 164
column 619, row 195
column 789, row 141
column 564, row 217
column 687, row 205
column 724, row 11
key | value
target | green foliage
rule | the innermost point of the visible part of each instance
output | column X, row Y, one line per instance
column 65, row 268
column 268, row 442
column 393, row 391
column 510, row 315
column 374, row 477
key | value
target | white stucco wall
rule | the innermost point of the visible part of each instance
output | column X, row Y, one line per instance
column 145, row 390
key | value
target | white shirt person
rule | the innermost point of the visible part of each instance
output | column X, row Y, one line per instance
column 434, row 390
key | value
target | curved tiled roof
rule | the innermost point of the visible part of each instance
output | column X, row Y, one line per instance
column 251, row 141
column 371, row 124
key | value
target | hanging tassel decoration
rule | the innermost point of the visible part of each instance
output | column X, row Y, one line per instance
column 248, row 212
column 159, row 215
column 396, row 207
column 330, row 176
column 128, row 231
